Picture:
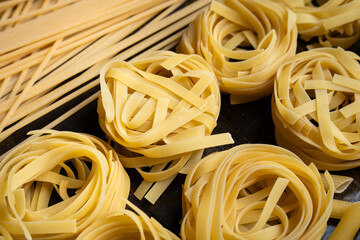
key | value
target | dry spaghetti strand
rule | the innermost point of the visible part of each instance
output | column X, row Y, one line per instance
column 32, row 78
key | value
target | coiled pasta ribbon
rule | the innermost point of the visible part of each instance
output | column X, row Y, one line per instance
column 316, row 108
column 127, row 224
column 245, row 41
column 55, row 185
column 333, row 22
column 162, row 107
column 255, row 191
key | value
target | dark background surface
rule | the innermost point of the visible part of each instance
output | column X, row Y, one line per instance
column 247, row 123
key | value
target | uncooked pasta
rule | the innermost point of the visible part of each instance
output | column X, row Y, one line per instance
column 57, row 184
column 331, row 22
column 127, row 224
column 316, row 107
column 255, row 190
column 349, row 224
column 245, row 41
column 163, row 107
column 49, row 60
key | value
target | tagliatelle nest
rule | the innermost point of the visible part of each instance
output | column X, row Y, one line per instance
column 127, row 224
column 56, row 185
column 252, row 191
column 333, row 22
column 163, row 108
column 245, row 42
column 316, row 107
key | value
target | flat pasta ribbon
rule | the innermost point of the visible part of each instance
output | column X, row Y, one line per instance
column 163, row 108
column 56, row 185
column 255, row 191
column 332, row 22
column 349, row 224
column 127, row 224
column 245, row 41
column 316, row 108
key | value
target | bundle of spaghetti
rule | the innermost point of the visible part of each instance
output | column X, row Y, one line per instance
column 163, row 107
column 127, row 224
column 166, row 37
column 332, row 22
column 316, row 105
column 38, row 71
column 55, row 185
column 255, row 191
column 245, row 42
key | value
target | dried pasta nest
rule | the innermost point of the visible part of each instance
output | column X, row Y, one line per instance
column 255, row 190
column 316, row 107
column 162, row 107
column 245, row 41
column 332, row 22
column 56, row 185
column 127, row 224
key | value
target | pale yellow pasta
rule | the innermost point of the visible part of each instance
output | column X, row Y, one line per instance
column 163, row 107
column 339, row 208
column 255, row 191
column 4, row 235
column 341, row 183
column 315, row 108
column 349, row 224
column 42, row 62
column 127, row 224
column 55, row 185
column 332, row 22
column 245, row 41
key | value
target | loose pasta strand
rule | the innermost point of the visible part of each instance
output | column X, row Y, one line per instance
column 44, row 86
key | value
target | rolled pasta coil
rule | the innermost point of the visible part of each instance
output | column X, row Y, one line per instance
column 127, row 224
column 55, row 185
column 316, row 107
column 332, row 22
column 162, row 107
column 255, row 191
column 245, row 42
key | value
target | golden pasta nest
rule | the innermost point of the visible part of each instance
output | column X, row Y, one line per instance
column 316, row 107
column 162, row 107
column 333, row 22
column 55, row 185
column 126, row 224
column 245, row 41
column 255, row 190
